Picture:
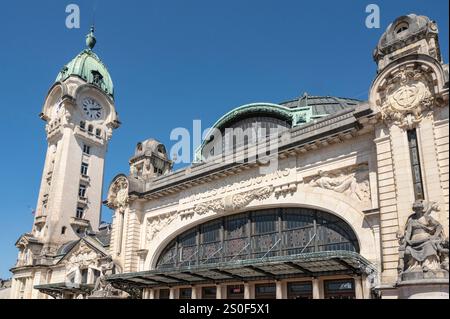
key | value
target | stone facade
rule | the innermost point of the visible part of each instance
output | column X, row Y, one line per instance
column 355, row 172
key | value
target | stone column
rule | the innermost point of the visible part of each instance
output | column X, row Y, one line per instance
column 221, row 292
column 359, row 294
column 249, row 291
column 366, row 288
column 151, row 294
column 173, row 293
column 281, row 288
column 316, row 286
column 196, row 294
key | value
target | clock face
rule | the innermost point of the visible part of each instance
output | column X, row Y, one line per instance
column 92, row 109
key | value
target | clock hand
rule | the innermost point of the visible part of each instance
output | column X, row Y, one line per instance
column 96, row 109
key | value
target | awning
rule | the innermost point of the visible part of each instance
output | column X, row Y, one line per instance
column 57, row 290
column 271, row 268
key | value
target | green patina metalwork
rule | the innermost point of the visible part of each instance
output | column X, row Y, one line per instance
column 88, row 66
column 295, row 116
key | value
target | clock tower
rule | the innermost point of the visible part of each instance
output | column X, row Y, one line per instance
column 80, row 117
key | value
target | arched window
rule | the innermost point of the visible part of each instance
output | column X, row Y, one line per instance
column 90, row 128
column 401, row 27
column 98, row 132
column 258, row 234
column 83, row 125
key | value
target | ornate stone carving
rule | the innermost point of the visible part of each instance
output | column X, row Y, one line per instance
column 423, row 251
column 233, row 202
column 407, row 97
column 134, row 290
column 118, row 194
column 237, row 183
column 83, row 257
column 103, row 288
column 352, row 181
column 156, row 224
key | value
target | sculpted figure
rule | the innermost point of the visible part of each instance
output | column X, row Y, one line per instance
column 423, row 248
column 354, row 183
column 101, row 284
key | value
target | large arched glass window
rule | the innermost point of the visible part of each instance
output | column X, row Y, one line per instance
column 259, row 234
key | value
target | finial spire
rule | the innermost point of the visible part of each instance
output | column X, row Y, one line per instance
column 90, row 39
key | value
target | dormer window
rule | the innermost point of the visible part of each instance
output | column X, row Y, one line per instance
column 402, row 27
column 97, row 78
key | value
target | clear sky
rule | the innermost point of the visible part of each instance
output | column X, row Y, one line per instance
column 173, row 61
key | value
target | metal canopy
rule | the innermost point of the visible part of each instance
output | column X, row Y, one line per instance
column 58, row 289
column 271, row 268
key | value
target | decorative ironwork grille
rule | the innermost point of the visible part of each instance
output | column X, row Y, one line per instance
column 259, row 234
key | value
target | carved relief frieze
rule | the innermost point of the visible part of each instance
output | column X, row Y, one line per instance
column 242, row 183
column 352, row 181
column 233, row 202
column 156, row 224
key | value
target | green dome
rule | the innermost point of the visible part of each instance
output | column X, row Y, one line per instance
column 88, row 66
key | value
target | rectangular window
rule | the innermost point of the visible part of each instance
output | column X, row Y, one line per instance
column 82, row 191
column 300, row 290
column 86, row 149
column 415, row 164
column 84, row 276
column 164, row 294
column 265, row 291
column 339, row 289
column 80, row 212
column 235, row 292
column 209, row 293
column 185, row 293
column 84, row 169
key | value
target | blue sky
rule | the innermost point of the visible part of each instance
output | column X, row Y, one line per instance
column 173, row 61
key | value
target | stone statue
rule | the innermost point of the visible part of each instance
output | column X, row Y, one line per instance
column 102, row 287
column 423, row 250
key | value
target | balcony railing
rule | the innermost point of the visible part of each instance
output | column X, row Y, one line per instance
column 40, row 220
column 80, row 222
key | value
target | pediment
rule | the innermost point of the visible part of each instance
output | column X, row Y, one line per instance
column 84, row 253
column 25, row 240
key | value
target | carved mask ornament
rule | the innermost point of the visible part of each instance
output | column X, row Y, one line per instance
column 118, row 194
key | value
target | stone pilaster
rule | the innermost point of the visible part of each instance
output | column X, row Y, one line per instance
column 387, row 204
column 131, row 240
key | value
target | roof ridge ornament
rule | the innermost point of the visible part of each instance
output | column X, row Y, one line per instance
column 90, row 39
